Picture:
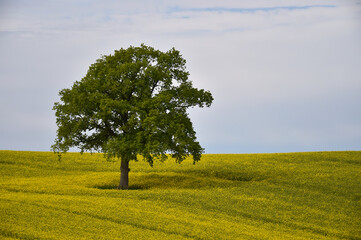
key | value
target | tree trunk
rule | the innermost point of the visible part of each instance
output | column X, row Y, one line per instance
column 124, row 171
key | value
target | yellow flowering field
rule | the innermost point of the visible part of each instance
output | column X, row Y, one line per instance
column 315, row 195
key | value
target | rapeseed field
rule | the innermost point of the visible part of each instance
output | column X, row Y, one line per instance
column 314, row 195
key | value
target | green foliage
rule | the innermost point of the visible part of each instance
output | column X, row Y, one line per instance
column 225, row 196
column 132, row 103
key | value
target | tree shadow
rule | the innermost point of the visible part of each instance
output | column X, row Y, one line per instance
column 115, row 186
column 178, row 180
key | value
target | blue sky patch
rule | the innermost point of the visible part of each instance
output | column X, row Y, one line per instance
column 247, row 10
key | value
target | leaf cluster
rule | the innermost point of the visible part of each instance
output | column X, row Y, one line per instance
column 131, row 103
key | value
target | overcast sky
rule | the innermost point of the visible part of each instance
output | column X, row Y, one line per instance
column 285, row 75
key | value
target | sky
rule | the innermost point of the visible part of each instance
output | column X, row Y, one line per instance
column 285, row 75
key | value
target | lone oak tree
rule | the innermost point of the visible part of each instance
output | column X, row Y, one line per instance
column 131, row 103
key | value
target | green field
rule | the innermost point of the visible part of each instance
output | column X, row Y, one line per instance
column 224, row 196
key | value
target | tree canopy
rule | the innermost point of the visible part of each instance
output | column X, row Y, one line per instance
column 132, row 103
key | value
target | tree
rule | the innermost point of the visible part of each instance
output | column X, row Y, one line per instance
column 132, row 103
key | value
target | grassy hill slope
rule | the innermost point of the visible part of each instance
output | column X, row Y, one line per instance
column 224, row 196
